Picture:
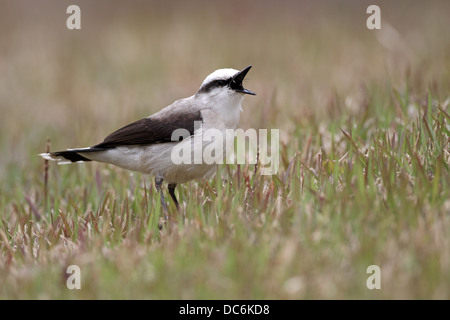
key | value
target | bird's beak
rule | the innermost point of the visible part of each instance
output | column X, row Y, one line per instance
column 236, row 82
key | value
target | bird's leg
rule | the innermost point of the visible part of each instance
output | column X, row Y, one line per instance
column 158, row 184
column 172, row 194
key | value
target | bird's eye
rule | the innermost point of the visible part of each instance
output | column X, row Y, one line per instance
column 234, row 85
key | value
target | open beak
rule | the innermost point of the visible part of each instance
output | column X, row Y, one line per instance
column 236, row 82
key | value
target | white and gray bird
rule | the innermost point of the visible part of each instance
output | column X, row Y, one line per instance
column 147, row 145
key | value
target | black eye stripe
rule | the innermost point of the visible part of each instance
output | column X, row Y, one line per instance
column 222, row 82
column 234, row 85
column 219, row 83
column 215, row 84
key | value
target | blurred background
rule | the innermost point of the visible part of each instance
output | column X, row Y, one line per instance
column 316, row 68
column 132, row 58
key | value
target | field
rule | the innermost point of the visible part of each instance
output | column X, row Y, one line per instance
column 364, row 173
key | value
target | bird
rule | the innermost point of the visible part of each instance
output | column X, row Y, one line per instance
column 147, row 145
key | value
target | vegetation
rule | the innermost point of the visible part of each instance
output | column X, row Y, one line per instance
column 364, row 160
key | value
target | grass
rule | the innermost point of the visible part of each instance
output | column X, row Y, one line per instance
column 364, row 161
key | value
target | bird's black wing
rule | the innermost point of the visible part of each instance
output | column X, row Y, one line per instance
column 151, row 130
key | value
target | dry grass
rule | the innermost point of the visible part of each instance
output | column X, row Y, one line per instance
column 364, row 172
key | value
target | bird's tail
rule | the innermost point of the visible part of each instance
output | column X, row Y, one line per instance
column 69, row 155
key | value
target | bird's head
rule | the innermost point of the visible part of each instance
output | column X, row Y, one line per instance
column 225, row 84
